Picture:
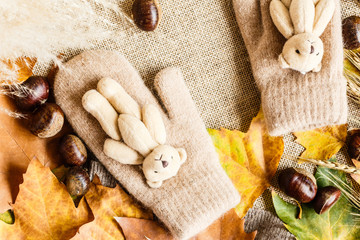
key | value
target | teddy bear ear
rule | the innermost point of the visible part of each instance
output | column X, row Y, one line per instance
column 282, row 61
column 317, row 68
column 182, row 154
column 154, row 184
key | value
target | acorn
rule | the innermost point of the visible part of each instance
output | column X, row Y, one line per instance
column 298, row 184
column 146, row 14
column 351, row 32
column 77, row 181
column 354, row 144
column 47, row 120
column 73, row 150
column 326, row 197
column 35, row 92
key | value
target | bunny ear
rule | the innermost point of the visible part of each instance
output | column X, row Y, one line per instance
column 324, row 11
column 154, row 123
column 286, row 3
column 302, row 13
column 281, row 18
column 135, row 134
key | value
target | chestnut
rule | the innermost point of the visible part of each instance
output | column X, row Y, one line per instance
column 146, row 14
column 298, row 184
column 35, row 92
column 354, row 144
column 47, row 120
column 351, row 32
column 325, row 198
column 77, row 181
column 73, row 150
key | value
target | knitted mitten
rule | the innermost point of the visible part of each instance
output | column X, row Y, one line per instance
column 292, row 101
column 201, row 191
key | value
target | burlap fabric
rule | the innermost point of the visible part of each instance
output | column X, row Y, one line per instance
column 203, row 39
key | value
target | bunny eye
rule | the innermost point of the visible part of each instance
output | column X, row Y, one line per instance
column 317, row 54
column 172, row 157
column 297, row 51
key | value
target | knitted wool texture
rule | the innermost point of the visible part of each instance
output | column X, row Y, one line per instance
column 290, row 100
column 201, row 192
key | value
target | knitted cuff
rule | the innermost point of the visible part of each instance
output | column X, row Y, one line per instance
column 197, row 202
column 268, row 226
column 300, row 104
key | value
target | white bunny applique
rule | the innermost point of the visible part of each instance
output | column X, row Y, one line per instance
column 141, row 129
column 302, row 22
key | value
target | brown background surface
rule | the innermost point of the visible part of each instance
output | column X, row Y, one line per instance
column 202, row 38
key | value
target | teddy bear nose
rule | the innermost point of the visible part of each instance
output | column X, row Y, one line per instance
column 165, row 164
column 312, row 49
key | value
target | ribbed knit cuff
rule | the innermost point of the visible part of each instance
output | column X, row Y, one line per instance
column 267, row 225
column 304, row 102
column 197, row 201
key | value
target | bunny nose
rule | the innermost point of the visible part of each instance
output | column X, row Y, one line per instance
column 312, row 49
column 165, row 164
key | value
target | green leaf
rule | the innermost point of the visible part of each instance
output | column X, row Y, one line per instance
column 7, row 217
column 337, row 223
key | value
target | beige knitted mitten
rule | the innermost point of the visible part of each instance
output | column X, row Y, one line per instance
column 201, row 191
column 292, row 101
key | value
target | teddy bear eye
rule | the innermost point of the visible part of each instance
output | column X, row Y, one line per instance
column 317, row 54
column 297, row 51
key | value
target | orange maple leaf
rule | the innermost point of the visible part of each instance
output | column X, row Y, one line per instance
column 44, row 209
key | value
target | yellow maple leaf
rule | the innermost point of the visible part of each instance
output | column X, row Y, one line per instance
column 322, row 143
column 106, row 203
column 44, row 209
column 250, row 159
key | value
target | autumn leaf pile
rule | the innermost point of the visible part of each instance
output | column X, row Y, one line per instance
column 45, row 210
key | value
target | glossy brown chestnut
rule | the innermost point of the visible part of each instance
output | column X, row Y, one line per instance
column 146, row 14
column 73, row 150
column 354, row 144
column 298, row 184
column 47, row 120
column 77, row 181
column 351, row 32
column 325, row 198
column 35, row 93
